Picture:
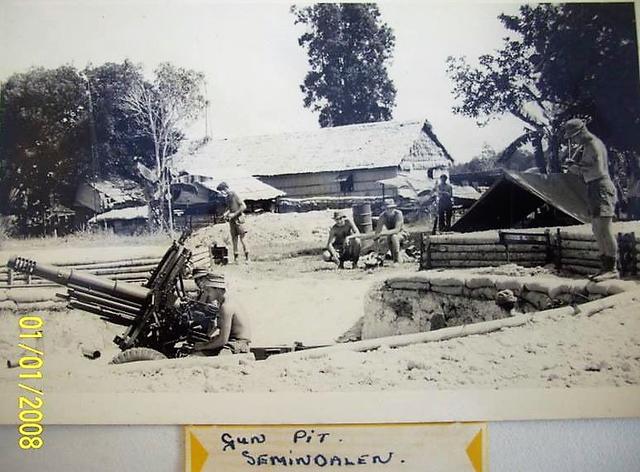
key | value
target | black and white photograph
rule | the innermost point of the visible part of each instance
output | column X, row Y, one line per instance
column 263, row 199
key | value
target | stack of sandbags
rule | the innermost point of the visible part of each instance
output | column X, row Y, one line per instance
column 23, row 300
column 458, row 251
column 579, row 252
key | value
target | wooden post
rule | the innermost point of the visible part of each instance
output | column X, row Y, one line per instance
column 621, row 266
column 634, row 254
column 503, row 240
column 427, row 252
column 559, row 249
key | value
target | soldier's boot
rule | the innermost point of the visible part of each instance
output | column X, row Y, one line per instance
column 601, row 270
column 609, row 270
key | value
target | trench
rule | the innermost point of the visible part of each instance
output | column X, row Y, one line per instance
column 432, row 301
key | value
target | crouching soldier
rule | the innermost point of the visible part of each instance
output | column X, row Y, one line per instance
column 340, row 246
column 232, row 335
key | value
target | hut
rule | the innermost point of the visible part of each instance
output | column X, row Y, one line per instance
column 344, row 161
column 129, row 220
column 97, row 197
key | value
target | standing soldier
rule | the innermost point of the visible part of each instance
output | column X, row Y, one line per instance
column 235, row 216
column 592, row 164
column 444, row 192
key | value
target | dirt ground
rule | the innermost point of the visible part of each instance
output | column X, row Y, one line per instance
column 292, row 296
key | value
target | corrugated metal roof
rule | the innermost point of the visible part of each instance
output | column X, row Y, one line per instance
column 247, row 186
column 410, row 186
column 362, row 146
column 119, row 190
column 130, row 213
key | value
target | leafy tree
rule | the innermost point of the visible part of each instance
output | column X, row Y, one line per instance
column 489, row 160
column 117, row 139
column 160, row 108
column 43, row 141
column 349, row 49
column 560, row 61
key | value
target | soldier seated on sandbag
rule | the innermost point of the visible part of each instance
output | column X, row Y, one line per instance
column 340, row 247
column 232, row 335
column 506, row 300
column 390, row 226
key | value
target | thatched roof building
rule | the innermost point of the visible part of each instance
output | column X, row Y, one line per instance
column 339, row 161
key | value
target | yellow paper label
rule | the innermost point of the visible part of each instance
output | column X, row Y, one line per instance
column 397, row 447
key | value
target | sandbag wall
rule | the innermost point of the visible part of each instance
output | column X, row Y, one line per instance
column 579, row 253
column 460, row 250
column 568, row 251
column 432, row 300
column 128, row 270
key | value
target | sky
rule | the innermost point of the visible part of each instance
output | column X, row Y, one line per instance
column 250, row 56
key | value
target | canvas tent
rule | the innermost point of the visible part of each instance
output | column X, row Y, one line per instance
column 520, row 199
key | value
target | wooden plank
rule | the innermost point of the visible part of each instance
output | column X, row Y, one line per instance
column 579, row 269
column 479, row 263
column 581, row 262
column 462, row 239
column 123, row 270
column 48, row 284
column 584, row 245
column 580, row 254
column 118, row 261
column 439, row 247
column 112, row 264
column 576, row 236
column 489, row 256
column 452, row 332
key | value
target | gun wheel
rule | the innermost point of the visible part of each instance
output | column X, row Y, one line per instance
column 136, row 354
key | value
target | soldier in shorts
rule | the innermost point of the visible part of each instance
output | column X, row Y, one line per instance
column 235, row 216
column 592, row 164
column 340, row 248
column 233, row 334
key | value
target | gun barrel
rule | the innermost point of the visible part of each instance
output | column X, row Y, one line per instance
column 113, row 288
column 104, row 302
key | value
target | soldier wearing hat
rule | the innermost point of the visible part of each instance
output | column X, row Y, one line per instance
column 444, row 193
column 592, row 164
column 232, row 335
column 235, row 216
column 506, row 300
column 340, row 247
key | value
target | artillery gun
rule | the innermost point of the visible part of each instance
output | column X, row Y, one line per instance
column 161, row 320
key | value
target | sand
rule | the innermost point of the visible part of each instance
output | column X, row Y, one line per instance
column 303, row 299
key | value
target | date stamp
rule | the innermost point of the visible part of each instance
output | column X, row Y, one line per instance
column 30, row 401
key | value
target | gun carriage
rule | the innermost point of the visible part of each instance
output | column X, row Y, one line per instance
column 161, row 320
